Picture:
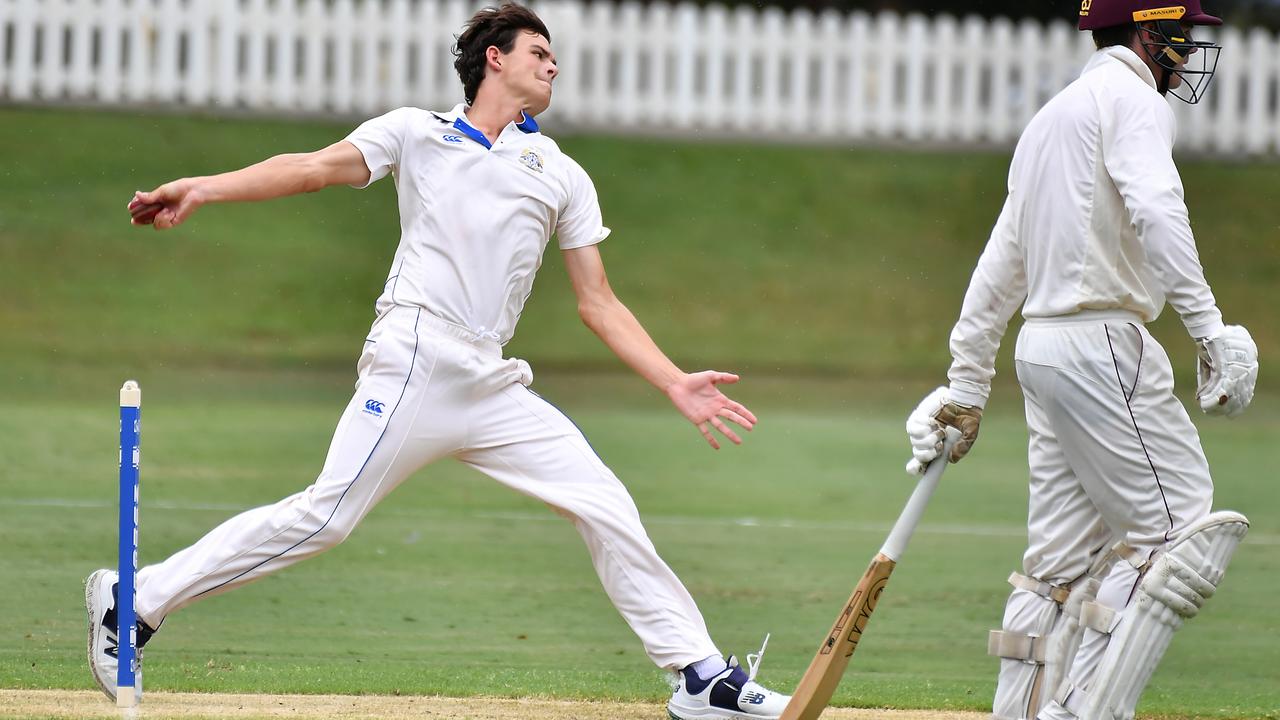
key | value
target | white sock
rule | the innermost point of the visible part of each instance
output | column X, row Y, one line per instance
column 709, row 667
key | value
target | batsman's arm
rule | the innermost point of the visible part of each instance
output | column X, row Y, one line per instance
column 1138, row 139
column 997, row 288
column 694, row 394
column 290, row 174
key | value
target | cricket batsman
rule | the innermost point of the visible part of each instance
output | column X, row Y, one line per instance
column 1093, row 240
column 481, row 193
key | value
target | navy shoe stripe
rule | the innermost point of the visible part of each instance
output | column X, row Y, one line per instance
column 692, row 683
column 112, row 625
column 726, row 691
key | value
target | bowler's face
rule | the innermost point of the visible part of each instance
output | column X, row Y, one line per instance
column 529, row 69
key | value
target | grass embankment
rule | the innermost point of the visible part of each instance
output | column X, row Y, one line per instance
column 769, row 260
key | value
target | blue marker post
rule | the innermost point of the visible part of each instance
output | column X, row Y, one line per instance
column 128, row 681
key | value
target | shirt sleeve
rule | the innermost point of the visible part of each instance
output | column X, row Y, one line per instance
column 997, row 289
column 580, row 223
column 1137, row 137
column 381, row 141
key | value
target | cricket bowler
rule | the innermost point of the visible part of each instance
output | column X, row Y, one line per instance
column 481, row 193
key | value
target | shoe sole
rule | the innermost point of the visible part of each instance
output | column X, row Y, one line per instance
column 714, row 714
column 90, row 585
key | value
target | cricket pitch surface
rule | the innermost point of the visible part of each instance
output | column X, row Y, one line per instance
column 85, row 704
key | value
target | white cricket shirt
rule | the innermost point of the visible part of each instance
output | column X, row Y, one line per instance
column 1094, row 220
column 475, row 218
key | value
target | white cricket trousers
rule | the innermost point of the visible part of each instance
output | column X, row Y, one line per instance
column 1113, row 457
column 429, row 389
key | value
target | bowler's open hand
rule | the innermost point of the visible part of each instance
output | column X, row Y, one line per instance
column 166, row 206
column 696, row 396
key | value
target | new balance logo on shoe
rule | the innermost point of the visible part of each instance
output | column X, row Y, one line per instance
column 753, row 698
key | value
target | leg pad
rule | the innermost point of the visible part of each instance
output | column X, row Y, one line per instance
column 1183, row 576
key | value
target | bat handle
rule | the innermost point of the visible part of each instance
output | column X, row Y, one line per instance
column 898, row 538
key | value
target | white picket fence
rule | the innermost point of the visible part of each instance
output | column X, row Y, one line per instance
column 654, row 68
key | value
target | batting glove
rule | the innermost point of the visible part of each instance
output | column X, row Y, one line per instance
column 926, row 429
column 1226, row 371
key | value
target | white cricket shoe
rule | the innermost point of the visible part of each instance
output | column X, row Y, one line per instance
column 99, row 600
column 731, row 694
column 104, row 646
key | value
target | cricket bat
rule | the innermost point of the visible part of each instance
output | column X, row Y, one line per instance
column 828, row 666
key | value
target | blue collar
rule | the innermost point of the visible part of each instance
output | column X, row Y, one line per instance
column 527, row 124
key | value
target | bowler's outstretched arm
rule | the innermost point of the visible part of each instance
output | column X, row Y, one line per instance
column 170, row 204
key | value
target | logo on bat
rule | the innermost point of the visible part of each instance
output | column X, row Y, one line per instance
column 859, row 611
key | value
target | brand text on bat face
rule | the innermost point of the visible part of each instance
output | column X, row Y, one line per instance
column 865, row 609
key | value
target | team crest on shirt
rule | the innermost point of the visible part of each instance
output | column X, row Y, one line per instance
column 531, row 159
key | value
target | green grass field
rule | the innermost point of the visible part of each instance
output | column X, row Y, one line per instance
column 828, row 277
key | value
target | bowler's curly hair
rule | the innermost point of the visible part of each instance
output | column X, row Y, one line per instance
column 498, row 27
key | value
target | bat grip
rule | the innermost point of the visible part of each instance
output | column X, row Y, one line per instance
column 898, row 538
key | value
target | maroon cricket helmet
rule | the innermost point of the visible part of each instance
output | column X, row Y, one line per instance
column 1097, row 14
